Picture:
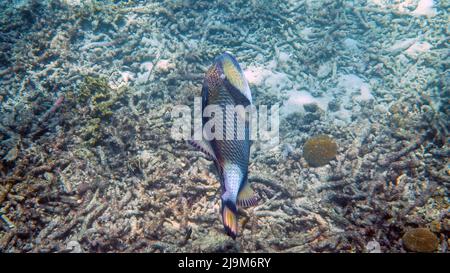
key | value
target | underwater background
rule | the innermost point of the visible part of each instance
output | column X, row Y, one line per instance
column 87, row 162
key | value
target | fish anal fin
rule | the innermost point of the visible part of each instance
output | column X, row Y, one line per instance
column 247, row 197
column 238, row 96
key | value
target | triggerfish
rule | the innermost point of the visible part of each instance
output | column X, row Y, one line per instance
column 225, row 86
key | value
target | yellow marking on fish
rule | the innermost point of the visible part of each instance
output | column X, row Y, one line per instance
column 233, row 74
column 212, row 77
column 246, row 196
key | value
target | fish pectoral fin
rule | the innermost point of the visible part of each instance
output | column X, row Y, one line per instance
column 247, row 197
column 235, row 79
column 205, row 147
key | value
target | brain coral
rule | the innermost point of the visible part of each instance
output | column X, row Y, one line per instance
column 420, row 240
column 319, row 150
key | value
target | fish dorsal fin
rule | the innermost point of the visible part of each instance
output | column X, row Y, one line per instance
column 205, row 147
column 246, row 197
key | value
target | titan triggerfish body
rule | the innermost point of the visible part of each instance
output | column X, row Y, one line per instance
column 225, row 86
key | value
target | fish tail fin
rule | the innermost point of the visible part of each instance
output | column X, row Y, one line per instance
column 247, row 197
column 229, row 217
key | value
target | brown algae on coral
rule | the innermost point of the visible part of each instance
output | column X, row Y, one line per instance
column 319, row 150
column 420, row 240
